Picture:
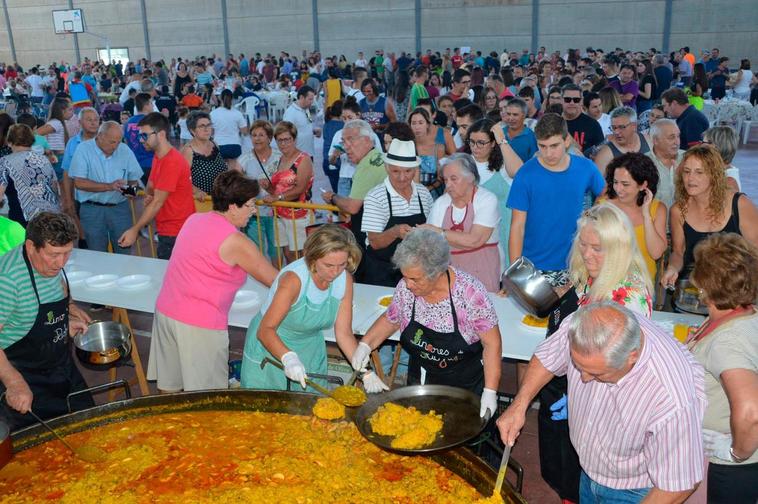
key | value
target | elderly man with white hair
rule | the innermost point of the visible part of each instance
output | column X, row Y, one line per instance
column 391, row 210
column 667, row 156
column 358, row 141
column 636, row 399
column 102, row 169
column 625, row 138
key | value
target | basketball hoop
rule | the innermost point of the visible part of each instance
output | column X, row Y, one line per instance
column 68, row 21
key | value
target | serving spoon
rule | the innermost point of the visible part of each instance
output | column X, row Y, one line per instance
column 87, row 453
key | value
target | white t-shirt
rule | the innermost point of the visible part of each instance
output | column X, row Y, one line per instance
column 35, row 82
column 347, row 168
column 226, row 125
column 734, row 172
column 304, row 126
column 485, row 211
column 605, row 124
column 376, row 211
column 56, row 139
column 485, row 174
column 361, row 63
column 743, row 86
column 125, row 93
column 184, row 132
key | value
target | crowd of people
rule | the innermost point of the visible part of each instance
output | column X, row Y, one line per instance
column 600, row 168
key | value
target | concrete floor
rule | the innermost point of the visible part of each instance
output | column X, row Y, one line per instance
column 535, row 490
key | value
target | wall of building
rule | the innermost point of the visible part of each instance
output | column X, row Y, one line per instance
column 188, row 29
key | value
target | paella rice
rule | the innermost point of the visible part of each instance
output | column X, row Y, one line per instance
column 410, row 428
column 349, row 395
column 327, row 408
column 228, row 457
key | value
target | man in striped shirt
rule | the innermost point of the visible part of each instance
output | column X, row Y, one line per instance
column 636, row 401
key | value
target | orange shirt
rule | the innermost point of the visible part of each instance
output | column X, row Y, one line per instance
column 192, row 101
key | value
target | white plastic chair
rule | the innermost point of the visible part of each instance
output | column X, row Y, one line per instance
column 748, row 124
column 248, row 108
column 278, row 103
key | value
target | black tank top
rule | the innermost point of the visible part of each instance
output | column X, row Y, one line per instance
column 692, row 237
column 644, row 147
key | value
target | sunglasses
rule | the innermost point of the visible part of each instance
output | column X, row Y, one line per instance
column 568, row 99
column 144, row 136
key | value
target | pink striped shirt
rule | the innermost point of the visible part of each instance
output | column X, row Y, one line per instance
column 644, row 431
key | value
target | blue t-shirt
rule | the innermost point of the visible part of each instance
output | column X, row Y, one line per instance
column 553, row 202
column 524, row 144
column 131, row 137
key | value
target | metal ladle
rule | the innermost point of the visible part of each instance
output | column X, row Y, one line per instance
column 89, row 454
column 310, row 383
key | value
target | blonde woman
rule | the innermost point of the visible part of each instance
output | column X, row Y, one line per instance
column 604, row 265
column 311, row 294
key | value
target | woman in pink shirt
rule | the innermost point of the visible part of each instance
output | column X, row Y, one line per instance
column 189, row 349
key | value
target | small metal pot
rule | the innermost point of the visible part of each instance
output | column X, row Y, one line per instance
column 687, row 298
column 6, row 446
column 530, row 289
column 103, row 343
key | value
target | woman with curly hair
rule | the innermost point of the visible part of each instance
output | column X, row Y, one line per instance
column 703, row 206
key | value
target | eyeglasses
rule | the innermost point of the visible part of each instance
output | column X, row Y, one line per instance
column 479, row 143
column 620, row 127
column 284, row 140
column 569, row 99
column 144, row 136
column 204, row 126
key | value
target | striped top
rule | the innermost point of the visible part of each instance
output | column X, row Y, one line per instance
column 18, row 304
column 645, row 430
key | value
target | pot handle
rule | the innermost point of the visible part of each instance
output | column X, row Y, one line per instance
column 101, row 388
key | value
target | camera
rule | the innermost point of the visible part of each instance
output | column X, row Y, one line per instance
column 129, row 190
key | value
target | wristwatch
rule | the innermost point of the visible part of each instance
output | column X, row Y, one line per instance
column 503, row 141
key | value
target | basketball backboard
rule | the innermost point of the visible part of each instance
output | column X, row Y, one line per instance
column 68, row 21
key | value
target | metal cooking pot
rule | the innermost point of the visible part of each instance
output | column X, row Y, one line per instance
column 104, row 342
column 530, row 289
column 458, row 460
column 687, row 298
column 6, row 447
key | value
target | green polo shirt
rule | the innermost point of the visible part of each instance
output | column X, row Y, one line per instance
column 18, row 304
column 369, row 173
column 12, row 234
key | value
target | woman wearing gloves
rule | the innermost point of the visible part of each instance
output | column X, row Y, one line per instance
column 309, row 295
column 447, row 321
column 726, row 273
column 604, row 264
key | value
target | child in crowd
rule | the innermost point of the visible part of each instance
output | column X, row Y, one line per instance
column 184, row 132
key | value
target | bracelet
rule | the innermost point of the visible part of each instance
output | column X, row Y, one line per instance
column 735, row 458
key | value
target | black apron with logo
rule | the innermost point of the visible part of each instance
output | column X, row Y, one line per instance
column 378, row 268
column 43, row 357
column 559, row 463
column 447, row 358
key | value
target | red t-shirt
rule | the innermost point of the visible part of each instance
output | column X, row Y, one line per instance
column 457, row 61
column 192, row 101
column 171, row 173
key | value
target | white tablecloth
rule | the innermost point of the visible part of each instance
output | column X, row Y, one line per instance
column 518, row 340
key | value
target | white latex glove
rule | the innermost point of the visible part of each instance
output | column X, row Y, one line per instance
column 293, row 368
column 361, row 357
column 488, row 402
column 373, row 384
column 717, row 444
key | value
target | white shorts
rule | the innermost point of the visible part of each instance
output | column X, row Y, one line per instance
column 286, row 237
column 185, row 357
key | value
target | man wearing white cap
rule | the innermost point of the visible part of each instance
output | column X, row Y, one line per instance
column 391, row 210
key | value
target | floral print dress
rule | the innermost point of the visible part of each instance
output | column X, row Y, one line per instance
column 631, row 292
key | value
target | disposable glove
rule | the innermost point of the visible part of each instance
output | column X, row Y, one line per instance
column 293, row 368
column 488, row 402
column 361, row 357
column 717, row 444
column 373, row 384
column 560, row 409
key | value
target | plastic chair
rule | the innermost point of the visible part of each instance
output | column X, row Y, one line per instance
column 248, row 107
column 278, row 103
column 748, row 124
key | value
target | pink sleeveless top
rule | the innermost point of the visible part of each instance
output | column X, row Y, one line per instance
column 199, row 287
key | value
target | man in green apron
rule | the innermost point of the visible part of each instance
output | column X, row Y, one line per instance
column 37, row 370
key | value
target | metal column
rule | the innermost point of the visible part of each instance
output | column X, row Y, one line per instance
column 417, row 18
column 314, row 15
column 535, row 25
column 10, row 32
column 225, row 27
column 76, row 39
column 667, row 27
column 145, row 34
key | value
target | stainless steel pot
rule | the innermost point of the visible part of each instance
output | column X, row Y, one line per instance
column 458, row 460
column 687, row 298
column 6, row 447
column 530, row 289
column 104, row 342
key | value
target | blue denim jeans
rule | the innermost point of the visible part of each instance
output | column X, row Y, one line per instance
column 591, row 492
column 102, row 224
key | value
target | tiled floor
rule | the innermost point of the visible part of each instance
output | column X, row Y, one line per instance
column 526, row 450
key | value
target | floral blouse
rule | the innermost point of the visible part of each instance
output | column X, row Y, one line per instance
column 473, row 307
column 630, row 292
